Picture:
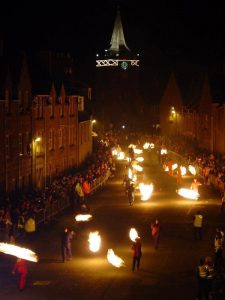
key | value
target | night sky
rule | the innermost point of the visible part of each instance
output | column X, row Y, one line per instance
column 183, row 26
column 190, row 31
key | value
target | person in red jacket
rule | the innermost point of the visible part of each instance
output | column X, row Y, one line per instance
column 21, row 267
column 136, row 247
column 155, row 228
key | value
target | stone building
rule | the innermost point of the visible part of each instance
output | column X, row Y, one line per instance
column 45, row 130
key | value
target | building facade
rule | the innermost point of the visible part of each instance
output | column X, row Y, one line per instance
column 40, row 132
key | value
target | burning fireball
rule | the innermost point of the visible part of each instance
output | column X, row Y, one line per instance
column 133, row 234
column 83, row 218
column 115, row 260
column 146, row 191
column 19, row 252
column 188, row 193
column 94, row 241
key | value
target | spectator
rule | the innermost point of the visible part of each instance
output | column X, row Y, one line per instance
column 30, row 227
column 202, row 280
column 222, row 201
column 218, row 245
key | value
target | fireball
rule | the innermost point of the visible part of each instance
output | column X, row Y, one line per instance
column 188, row 193
column 146, row 191
column 133, row 234
column 83, row 217
column 113, row 259
column 19, row 252
column 192, row 170
column 94, row 241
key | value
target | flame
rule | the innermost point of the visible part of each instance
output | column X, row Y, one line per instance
column 146, row 191
column 133, row 234
column 134, row 178
column 146, row 145
column 94, row 241
column 121, row 155
column 140, row 159
column 138, row 168
column 132, row 146
column 19, row 252
column 130, row 174
column 174, row 166
column 163, row 151
column 188, row 193
column 138, row 151
column 192, row 170
column 152, row 146
column 183, row 170
column 114, row 152
column 113, row 259
column 83, row 217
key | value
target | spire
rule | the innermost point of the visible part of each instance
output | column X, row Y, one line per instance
column 118, row 41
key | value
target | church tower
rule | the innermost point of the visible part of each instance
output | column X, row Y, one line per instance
column 117, row 83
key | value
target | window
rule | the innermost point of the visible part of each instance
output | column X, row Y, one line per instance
column 7, row 101
column 7, row 146
column 72, row 107
column 51, row 108
column 20, row 144
column 61, row 111
column 40, row 108
column 51, row 140
column 71, row 136
column 61, row 137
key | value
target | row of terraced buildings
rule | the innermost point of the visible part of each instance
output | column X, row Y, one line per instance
column 46, row 126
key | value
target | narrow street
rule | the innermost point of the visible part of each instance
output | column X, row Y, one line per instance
column 166, row 273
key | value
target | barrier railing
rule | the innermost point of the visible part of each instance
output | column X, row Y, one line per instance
column 62, row 203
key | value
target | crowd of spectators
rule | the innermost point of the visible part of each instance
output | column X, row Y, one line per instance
column 15, row 212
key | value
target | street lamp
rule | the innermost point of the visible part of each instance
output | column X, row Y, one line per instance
column 35, row 141
column 38, row 139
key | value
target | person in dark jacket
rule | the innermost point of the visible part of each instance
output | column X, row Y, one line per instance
column 70, row 237
column 64, row 244
column 137, row 253
column 130, row 194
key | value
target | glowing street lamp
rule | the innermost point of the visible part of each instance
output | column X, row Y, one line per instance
column 35, row 143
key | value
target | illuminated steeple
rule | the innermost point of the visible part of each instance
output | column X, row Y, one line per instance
column 118, row 41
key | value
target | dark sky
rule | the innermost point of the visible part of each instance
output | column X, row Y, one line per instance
column 191, row 29
column 183, row 26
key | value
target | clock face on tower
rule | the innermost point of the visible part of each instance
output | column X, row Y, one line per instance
column 124, row 65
